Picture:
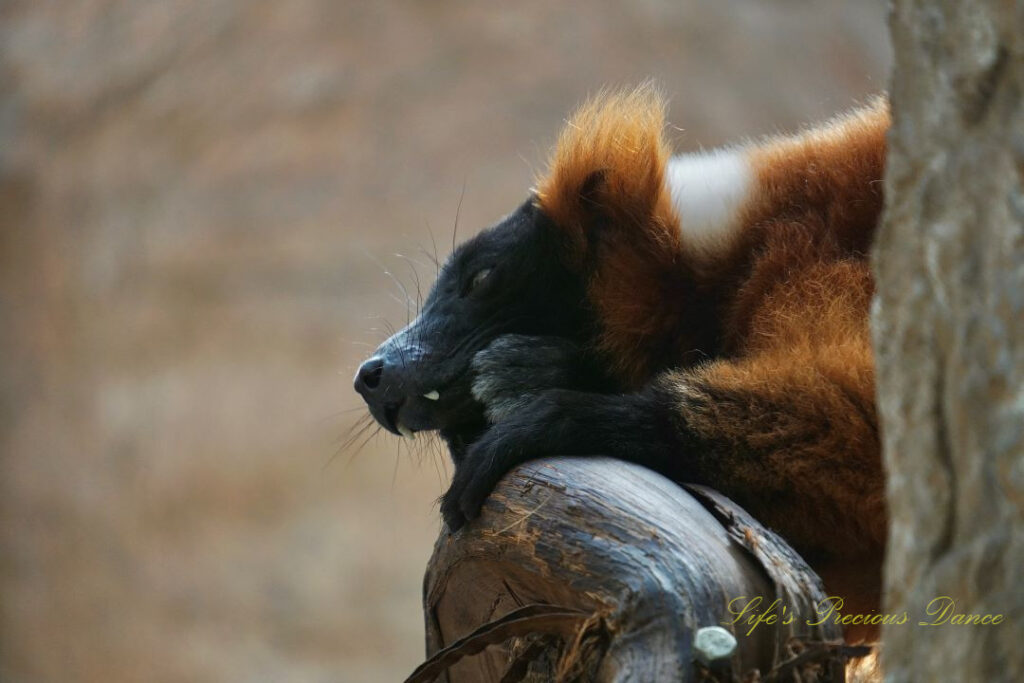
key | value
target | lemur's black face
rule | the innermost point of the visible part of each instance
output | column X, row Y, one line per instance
column 507, row 280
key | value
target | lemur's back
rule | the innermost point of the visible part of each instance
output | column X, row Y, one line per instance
column 789, row 406
column 752, row 215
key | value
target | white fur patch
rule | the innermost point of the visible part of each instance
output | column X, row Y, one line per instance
column 709, row 189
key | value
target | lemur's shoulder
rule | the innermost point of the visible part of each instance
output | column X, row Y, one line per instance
column 829, row 168
column 613, row 157
column 669, row 241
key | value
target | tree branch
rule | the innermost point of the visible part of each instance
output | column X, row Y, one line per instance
column 643, row 564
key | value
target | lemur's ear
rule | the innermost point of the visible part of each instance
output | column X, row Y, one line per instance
column 608, row 169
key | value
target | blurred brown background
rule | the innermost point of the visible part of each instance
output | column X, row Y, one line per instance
column 198, row 201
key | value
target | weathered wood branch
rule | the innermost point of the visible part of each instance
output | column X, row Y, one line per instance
column 630, row 566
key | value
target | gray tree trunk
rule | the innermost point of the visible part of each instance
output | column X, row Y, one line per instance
column 949, row 336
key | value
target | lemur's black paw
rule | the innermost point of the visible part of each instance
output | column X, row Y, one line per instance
column 474, row 479
column 450, row 512
column 547, row 426
column 515, row 368
column 558, row 422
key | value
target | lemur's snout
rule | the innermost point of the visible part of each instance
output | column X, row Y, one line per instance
column 392, row 384
column 380, row 385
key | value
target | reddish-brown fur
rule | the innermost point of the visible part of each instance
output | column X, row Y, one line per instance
column 763, row 342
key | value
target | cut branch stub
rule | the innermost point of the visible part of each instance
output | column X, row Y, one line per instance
column 642, row 560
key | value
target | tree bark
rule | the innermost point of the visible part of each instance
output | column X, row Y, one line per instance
column 948, row 328
column 630, row 565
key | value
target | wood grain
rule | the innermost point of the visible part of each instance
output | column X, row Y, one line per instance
column 646, row 561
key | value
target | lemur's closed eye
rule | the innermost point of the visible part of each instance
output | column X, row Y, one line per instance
column 478, row 279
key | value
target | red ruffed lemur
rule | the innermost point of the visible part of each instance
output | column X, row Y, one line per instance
column 704, row 315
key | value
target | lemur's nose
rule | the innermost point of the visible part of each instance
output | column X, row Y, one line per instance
column 368, row 376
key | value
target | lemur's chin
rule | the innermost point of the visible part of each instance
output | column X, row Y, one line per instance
column 421, row 425
column 408, row 416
